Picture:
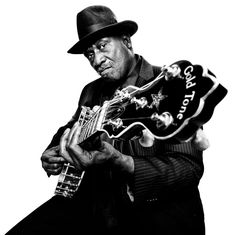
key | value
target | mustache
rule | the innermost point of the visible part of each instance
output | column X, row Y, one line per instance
column 101, row 68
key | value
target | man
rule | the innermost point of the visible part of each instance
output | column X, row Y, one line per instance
column 140, row 185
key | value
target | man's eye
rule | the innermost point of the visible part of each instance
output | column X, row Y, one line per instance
column 102, row 46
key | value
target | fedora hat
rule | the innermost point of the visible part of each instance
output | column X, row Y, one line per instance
column 95, row 22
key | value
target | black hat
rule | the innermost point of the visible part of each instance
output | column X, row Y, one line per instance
column 95, row 22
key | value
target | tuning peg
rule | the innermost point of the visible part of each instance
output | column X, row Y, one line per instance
column 122, row 94
column 116, row 124
column 163, row 120
column 171, row 71
column 140, row 103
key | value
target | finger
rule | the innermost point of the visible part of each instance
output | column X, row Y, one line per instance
column 62, row 146
column 63, row 140
column 54, row 151
column 73, row 146
column 54, row 171
column 201, row 141
column 57, row 159
column 71, row 133
column 54, row 148
column 75, row 136
column 80, row 156
column 52, row 166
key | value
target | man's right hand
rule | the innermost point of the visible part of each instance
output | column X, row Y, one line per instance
column 52, row 162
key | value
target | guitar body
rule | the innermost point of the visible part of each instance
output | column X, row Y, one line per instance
column 170, row 107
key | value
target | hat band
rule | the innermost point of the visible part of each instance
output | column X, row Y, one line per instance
column 95, row 27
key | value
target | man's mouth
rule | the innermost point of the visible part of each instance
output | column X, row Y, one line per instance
column 103, row 71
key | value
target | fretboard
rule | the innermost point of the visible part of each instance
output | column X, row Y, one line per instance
column 70, row 178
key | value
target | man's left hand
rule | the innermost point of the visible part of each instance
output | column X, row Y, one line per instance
column 82, row 159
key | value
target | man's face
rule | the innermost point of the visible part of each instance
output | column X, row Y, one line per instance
column 110, row 57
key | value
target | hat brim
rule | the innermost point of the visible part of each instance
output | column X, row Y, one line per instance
column 126, row 26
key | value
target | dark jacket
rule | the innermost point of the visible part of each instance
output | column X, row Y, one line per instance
column 165, row 181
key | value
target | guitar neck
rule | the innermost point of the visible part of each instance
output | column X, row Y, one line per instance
column 70, row 178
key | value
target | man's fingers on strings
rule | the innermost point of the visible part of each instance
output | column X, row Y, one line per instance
column 57, row 159
column 71, row 133
column 55, row 171
column 63, row 141
column 62, row 149
column 75, row 136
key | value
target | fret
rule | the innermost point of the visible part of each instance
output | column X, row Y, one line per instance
column 66, row 189
column 68, row 183
column 86, row 115
column 81, row 121
column 81, row 136
column 90, row 126
column 68, row 165
column 86, row 132
column 102, row 115
column 66, row 169
column 96, row 121
column 72, row 172
column 65, row 192
column 93, row 126
column 71, row 175
column 87, row 129
column 83, row 116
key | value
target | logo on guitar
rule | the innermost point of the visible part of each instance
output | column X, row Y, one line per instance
column 190, row 84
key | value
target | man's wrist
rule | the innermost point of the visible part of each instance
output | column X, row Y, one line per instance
column 124, row 162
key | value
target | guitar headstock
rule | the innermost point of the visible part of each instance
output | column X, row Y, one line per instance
column 175, row 104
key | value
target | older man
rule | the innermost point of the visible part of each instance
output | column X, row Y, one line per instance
column 138, row 185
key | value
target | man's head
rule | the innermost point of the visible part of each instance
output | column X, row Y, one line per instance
column 111, row 57
column 105, row 42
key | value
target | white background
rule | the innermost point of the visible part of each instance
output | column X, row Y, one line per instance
column 41, row 83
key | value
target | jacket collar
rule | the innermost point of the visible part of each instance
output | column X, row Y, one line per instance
column 145, row 73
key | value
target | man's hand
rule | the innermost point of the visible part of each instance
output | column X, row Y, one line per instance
column 82, row 159
column 200, row 140
column 52, row 162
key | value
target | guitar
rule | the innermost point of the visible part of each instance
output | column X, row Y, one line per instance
column 172, row 106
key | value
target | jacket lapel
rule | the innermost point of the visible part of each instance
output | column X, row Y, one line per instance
column 147, row 73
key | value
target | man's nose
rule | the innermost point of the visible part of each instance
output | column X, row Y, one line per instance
column 99, row 58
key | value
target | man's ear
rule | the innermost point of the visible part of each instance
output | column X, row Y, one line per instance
column 127, row 41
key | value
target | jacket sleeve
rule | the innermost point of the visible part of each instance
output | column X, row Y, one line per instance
column 164, row 169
